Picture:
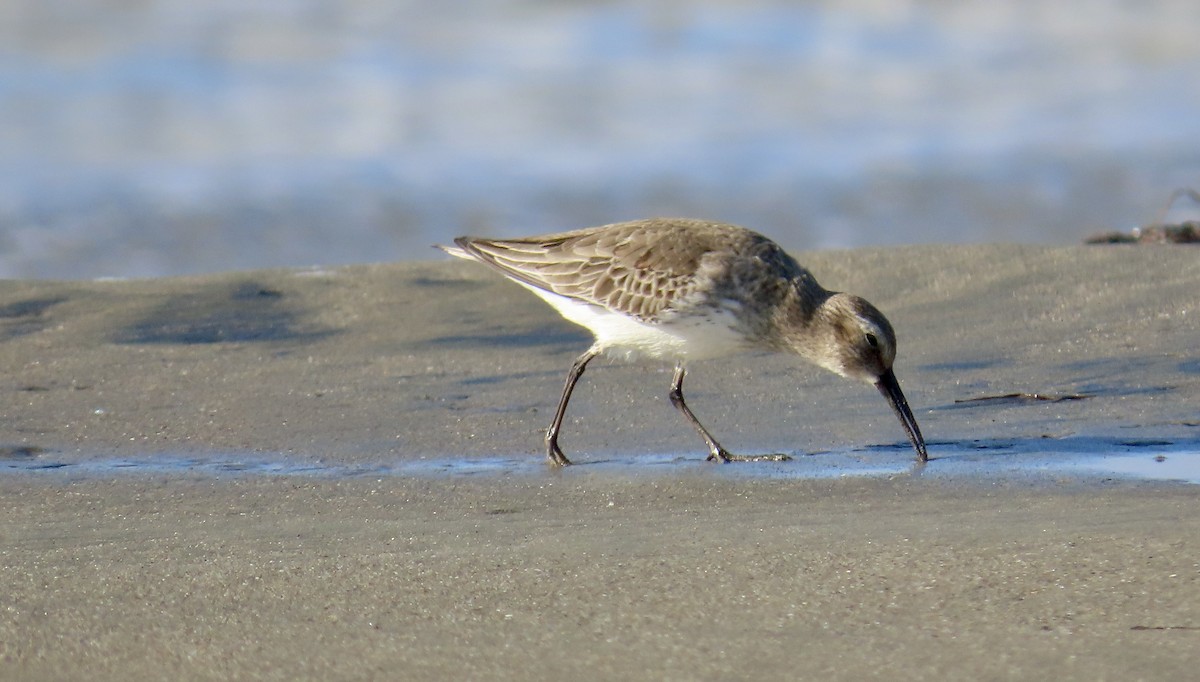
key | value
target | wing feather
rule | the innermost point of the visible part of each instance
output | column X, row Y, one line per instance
column 641, row 268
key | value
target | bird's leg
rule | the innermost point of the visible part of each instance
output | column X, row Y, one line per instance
column 552, row 450
column 715, row 451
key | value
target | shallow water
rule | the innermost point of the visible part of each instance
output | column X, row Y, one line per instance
column 1068, row 459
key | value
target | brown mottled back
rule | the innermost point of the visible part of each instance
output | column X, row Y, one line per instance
column 642, row 268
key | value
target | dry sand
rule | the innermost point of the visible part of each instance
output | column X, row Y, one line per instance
column 116, row 566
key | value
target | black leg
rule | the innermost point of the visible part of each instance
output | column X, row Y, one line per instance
column 552, row 450
column 715, row 451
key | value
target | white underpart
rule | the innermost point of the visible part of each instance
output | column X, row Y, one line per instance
column 691, row 337
column 682, row 338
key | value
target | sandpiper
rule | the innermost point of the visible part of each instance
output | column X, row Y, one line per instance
column 679, row 289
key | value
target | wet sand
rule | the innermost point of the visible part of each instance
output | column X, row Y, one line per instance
column 636, row 568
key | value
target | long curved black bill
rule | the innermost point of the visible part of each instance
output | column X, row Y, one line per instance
column 890, row 388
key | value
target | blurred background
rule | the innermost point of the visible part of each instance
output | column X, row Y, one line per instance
column 163, row 137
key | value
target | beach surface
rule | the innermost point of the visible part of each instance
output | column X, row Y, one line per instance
column 338, row 474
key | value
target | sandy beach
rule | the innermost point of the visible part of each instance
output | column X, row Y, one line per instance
column 337, row 474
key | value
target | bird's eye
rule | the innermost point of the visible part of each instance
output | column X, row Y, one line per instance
column 872, row 341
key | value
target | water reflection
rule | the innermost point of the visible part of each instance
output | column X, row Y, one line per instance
column 1057, row 459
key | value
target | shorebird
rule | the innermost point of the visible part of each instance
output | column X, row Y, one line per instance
column 681, row 290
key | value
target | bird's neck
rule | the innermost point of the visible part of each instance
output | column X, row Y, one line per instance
column 797, row 323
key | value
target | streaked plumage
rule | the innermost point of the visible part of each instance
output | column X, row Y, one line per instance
column 682, row 290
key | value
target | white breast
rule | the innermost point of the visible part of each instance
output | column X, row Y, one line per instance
column 691, row 337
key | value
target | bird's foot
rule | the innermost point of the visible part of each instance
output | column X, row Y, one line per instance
column 555, row 454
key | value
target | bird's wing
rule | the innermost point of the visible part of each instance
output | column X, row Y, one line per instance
column 641, row 268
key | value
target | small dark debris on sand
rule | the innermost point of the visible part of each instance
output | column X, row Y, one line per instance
column 1158, row 232
column 1026, row 397
column 1183, row 233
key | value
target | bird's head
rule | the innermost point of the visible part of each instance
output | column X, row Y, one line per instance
column 849, row 336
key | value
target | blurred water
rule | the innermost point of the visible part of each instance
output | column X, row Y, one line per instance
column 166, row 136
